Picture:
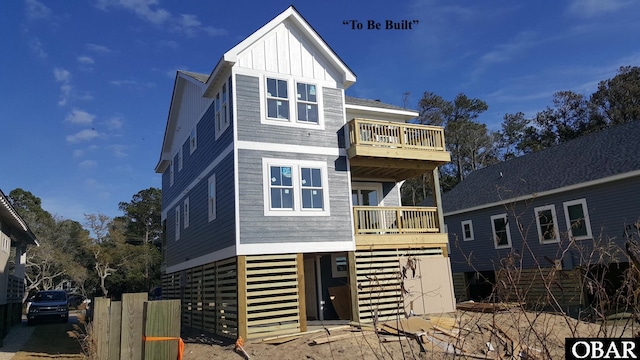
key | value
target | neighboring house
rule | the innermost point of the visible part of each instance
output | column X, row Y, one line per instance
column 281, row 195
column 15, row 236
column 549, row 213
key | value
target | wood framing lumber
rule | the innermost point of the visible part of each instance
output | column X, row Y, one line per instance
column 327, row 339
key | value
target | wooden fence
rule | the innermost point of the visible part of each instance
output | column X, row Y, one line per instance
column 129, row 329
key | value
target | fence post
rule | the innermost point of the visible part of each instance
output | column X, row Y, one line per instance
column 132, row 316
column 100, row 327
column 161, row 319
column 115, row 325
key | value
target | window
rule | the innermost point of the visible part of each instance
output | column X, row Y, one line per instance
column 467, row 230
column 577, row 217
column 193, row 141
column 277, row 99
column 185, row 206
column 178, row 223
column 307, row 103
column 339, row 265
column 222, row 110
column 212, row 197
column 171, row 176
column 501, row 234
column 180, row 159
column 547, row 224
column 295, row 187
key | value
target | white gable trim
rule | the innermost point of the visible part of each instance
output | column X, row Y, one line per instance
column 549, row 192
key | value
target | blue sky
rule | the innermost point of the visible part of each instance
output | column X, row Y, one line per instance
column 85, row 86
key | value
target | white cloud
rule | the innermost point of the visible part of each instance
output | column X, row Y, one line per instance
column 80, row 117
column 61, row 75
column 115, row 123
column 123, row 82
column 78, row 153
column 146, row 9
column 37, row 10
column 36, row 46
column 88, row 164
column 84, row 135
column 97, row 48
column 85, row 60
column 119, row 150
column 591, row 8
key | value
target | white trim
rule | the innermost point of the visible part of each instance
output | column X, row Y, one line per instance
column 218, row 128
column 203, row 260
column 585, row 211
column 212, row 207
column 180, row 159
column 292, row 121
column 464, row 233
column 176, row 224
column 507, row 230
column 295, row 247
column 549, row 192
column 287, row 148
column 409, row 113
column 203, row 175
column 187, row 212
column 368, row 186
column 556, row 227
column 236, row 170
column 171, row 172
column 295, row 165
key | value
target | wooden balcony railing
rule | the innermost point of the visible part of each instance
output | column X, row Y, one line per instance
column 396, row 135
column 395, row 220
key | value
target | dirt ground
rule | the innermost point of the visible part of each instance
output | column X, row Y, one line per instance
column 51, row 341
column 542, row 335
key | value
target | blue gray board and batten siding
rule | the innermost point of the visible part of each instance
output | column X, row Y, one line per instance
column 202, row 236
column 254, row 226
column 611, row 206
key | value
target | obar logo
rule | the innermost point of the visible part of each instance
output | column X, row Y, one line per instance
column 602, row 348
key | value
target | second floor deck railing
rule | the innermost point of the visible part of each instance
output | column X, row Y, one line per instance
column 396, row 135
column 395, row 220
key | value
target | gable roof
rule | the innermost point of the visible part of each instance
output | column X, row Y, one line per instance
column 611, row 152
column 197, row 76
column 9, row 215
column 349, row 100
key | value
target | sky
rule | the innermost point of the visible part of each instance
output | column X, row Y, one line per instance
column 85, row 86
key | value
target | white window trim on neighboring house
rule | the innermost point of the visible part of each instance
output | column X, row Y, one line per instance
column 185, row 206
column 585, row 212
column 464, row 233
column 493, row 231
column 171, row 172
column 554, row 218
column 222, row 109
column 212, row 202
column 296, row 187
column 177, row 222
column 193, row 139
column 293, row 101
column 180, row 158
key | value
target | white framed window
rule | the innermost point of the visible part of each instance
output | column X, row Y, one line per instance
column 211, row 197
column 193, row 140
column 222, row 108
column 180, row 158
column 178, row 223
column 295, row 188
column 171, row 173
column 547, row 224
column 339, row 265
column 185, row 207
column 467, row 230
column 501, row 233
column 577, row 217
column 292, row 103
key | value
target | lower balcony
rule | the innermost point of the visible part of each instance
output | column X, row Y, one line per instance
column 378, row 226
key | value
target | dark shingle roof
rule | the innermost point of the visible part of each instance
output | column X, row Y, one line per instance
column 200, row 77
column 606, row 153
column 372, row 103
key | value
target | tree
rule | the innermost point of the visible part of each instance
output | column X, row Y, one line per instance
column 617, row 100
column 144, row 215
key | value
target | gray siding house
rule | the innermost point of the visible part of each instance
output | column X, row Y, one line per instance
column 281, row 197
column 15, row 236
column 554, row 217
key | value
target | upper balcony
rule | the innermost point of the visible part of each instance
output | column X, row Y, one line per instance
column 394, row 150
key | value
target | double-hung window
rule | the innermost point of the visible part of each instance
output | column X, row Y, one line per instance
column 180, row 158
column 577, row 217
column 211, row 197
column 178, row 222
column 501, row 233
column 185, row 206
column 295, row 188
column 467, row 230
column 171, row 173
column 547, row 224
column 193, row 140
column 277, row 99
column 307, row 102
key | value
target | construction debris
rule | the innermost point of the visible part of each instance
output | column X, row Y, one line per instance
column 240, row 347
column 487, row 307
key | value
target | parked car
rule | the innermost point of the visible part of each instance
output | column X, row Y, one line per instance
column 49, row 305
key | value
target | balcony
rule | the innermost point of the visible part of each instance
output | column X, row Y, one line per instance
column 387, row 226
column 394, row 150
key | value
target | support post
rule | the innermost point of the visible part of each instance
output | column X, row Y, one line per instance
column 243, row 329
column 302, row 304
column 353, row 286
column 437, row 199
